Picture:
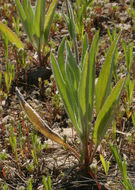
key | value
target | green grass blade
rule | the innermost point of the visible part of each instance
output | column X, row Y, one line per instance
column 106, row 113
column 127, row 185
column 49, row 182
column 104, row 81
column 128, row 52
column 105, row 164
column 121, row 164
column 11, row 36
column 115, row 152
column 49, row 19
column 45, row 183
column 124, row 167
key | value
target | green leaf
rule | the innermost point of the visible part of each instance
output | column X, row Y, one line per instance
column 45, row 183
column 127, row 185
column 30, row 19
column 49, row 19
column 128, row 51
column 70, row 21
column 84, row 48
column 61, row 58
column 117, row 156
column 87, row 84
column 122, row 166
column 72, row 78
column 104, row 81
column 83, row 94
column 65, row 92
column 29, row 184
column 11, row 36
column 49, row 182
column 105, row 164
column 72, row 69
column 39, row 20
column 25, row 11
column 92, row 58
column 20, row 10
column 6, row 81
column 107, row 112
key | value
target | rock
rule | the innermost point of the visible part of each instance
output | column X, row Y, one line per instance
column 21, row 187
column 3, row 102
column 41, row 187
column 7, row 119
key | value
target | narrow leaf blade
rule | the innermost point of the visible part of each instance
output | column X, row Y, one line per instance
column 39, row 18
column 26, row 15
column 61, row 57
column 64, row 90
column 83, row 94
column 106, row 113
column 74, row 69
column 49, row 19
column 92, row 58
column 20, row 10
column 104, row 80
column 84, row 48
column 36, row 120
column 87, row 84
column 11, row 36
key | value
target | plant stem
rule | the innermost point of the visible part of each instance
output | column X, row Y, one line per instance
column 85, row 150
column 39, row 54
column 73, row 150
column 86, row 153
column 90, row 148
column 93, row 154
